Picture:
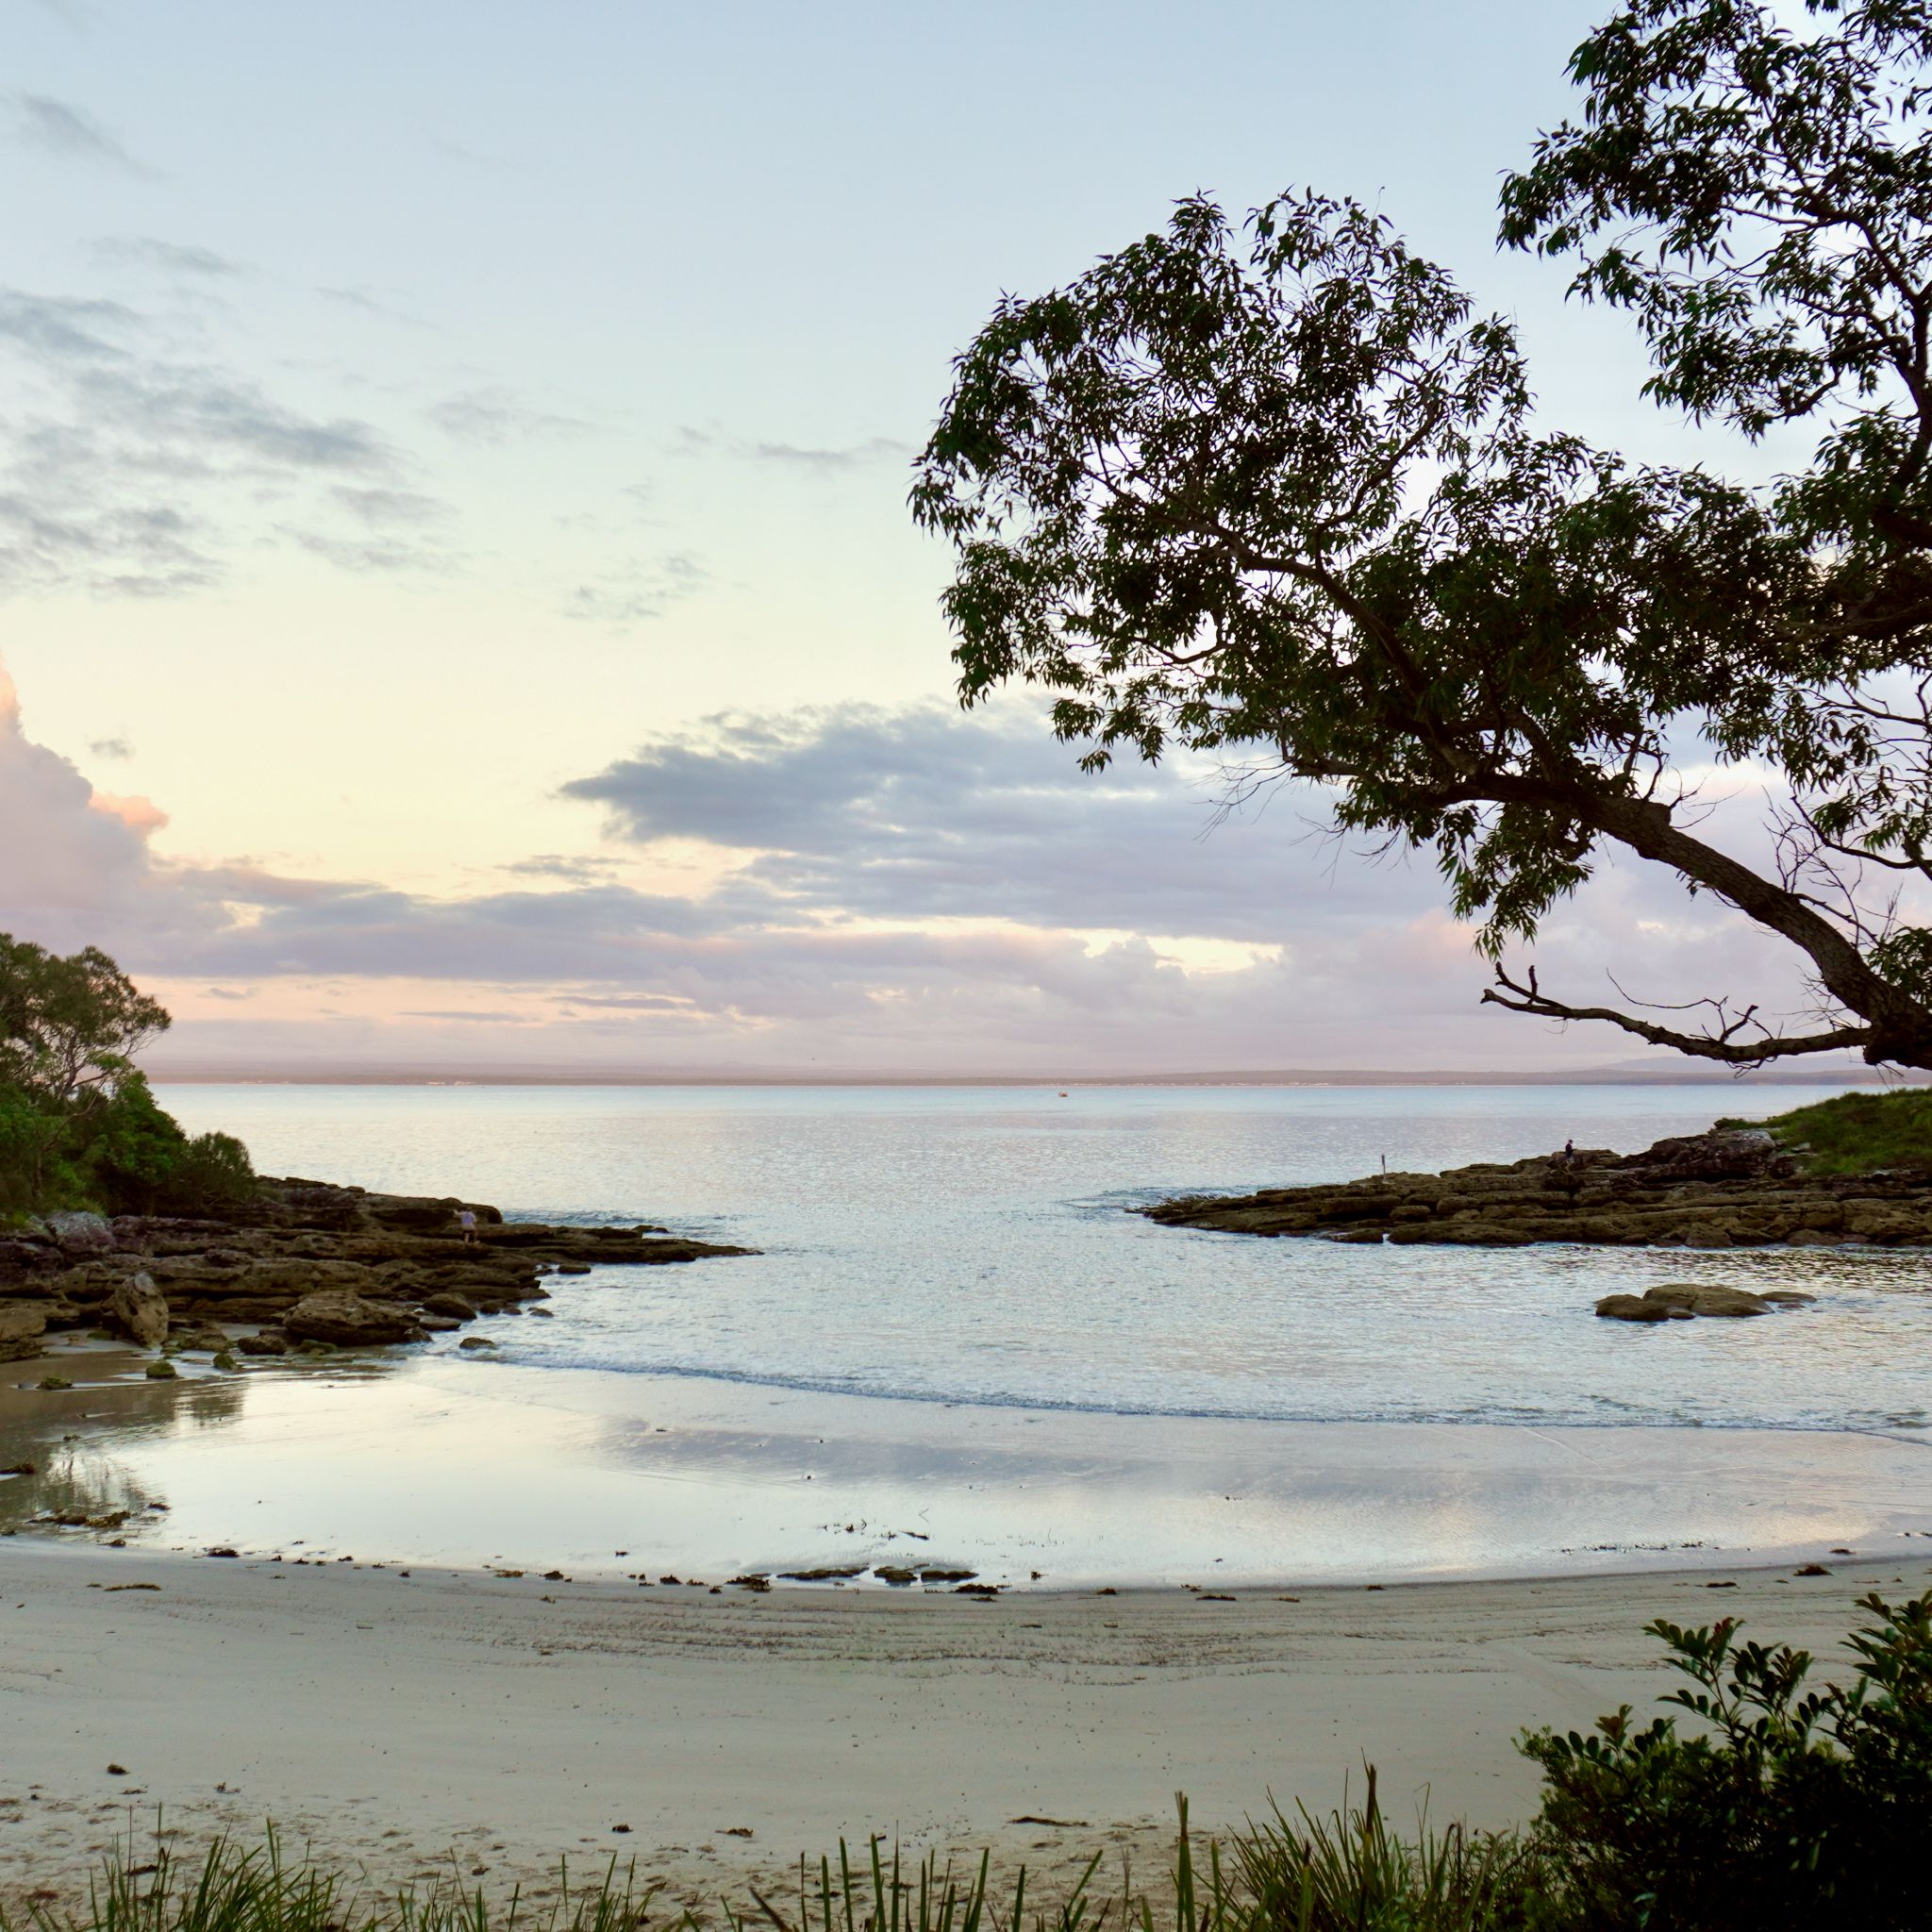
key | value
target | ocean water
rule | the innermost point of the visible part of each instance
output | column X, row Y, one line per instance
column 957, row 1347
column 972, row 1246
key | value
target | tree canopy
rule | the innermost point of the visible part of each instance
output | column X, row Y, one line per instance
column 69, row 1024
column 1278, row 489
column 78, row 1126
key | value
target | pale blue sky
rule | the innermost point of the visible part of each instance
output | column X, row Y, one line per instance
column 409, row 409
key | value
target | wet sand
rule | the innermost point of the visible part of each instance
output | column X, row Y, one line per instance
column 390, row 1720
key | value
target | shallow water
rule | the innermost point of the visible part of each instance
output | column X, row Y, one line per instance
column 956, row 1346
column 971, row 1245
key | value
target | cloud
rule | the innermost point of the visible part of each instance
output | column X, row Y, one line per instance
column 1018, row 916
column 61, row 128
column 165, row 257
column 110, row 748
column 134, row 466
column 497, row 415
column 362, row 555
column 923, row 813
column 819, row 461
column 369, row 303
column 65, row 329
column 637, row 591
column 379, row 509
column 61, row 858
column 553, row 865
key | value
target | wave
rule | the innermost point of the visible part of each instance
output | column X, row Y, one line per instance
column 1625, row 1415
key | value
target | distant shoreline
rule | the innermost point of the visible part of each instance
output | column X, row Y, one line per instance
column 1352, row 1076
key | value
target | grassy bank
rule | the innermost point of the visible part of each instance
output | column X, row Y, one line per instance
column 1785, row 1806
column 1857, row 1133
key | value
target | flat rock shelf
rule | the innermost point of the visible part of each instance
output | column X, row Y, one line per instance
column 305, row 1261
column 1720, row 1189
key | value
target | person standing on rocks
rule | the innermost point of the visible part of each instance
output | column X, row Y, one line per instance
column 466, row 1220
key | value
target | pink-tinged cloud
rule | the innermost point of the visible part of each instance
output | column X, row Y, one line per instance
column 138, row 814
column 912, row 891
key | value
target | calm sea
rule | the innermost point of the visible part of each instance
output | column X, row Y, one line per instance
column 972, row 1246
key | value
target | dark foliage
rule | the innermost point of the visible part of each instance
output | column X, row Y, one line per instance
column 1274, row 490
column 1789, row 1808
column 78, row 1125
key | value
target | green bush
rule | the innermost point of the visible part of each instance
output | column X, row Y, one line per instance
column 1793, row 1807
column 142, row 1162
column 34, row 1174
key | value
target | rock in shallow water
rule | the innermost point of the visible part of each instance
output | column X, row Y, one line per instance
column 347, row 1320
column 1634, row 1308
column 1706, row 1298
column 139, row 1310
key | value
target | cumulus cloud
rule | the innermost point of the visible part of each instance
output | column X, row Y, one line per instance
column 63, row 859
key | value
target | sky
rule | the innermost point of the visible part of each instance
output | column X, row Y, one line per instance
column 457, row 597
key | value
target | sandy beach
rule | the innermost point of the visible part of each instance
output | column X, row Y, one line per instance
column 391, row 1719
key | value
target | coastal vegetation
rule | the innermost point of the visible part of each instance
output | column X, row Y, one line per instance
column 1276, row 492
column 1856, row 1133
column 1786, row 1806
column 79, row 1128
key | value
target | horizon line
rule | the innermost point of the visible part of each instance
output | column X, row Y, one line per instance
column 205, row 1075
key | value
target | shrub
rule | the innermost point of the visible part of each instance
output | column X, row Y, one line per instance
column 1794, row 1809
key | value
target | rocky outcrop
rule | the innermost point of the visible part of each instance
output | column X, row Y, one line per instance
column 1720, row 1189
column 367, row 1267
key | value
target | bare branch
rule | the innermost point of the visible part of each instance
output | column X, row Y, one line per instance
column 1526, row 996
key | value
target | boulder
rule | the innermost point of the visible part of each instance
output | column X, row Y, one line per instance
column 139, row 1310
column 81, row 1234
column 1706, row 1298
column 268, row 1342
column 1634, row 1308
column 448, row 1303
column 337, row 1315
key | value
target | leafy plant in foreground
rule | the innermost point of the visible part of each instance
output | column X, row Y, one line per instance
column 1793, row 1807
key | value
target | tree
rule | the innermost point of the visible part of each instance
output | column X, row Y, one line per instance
column 78, row 1125
column 1279, row 492
column 69, row 1024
